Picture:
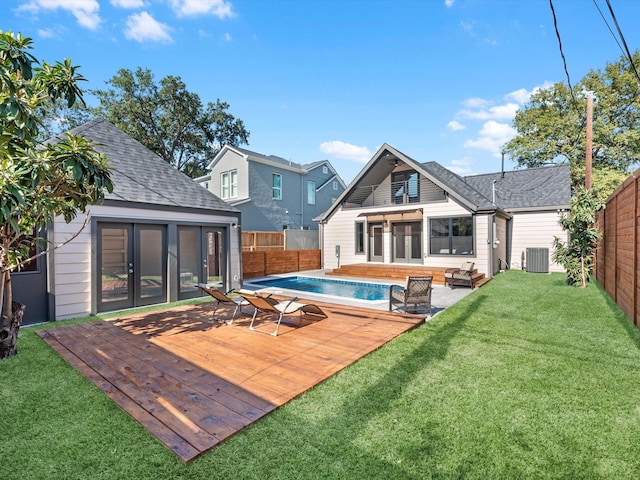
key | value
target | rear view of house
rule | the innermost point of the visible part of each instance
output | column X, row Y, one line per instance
column 400, row 211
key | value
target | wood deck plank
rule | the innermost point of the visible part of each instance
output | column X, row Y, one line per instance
column 193, row 382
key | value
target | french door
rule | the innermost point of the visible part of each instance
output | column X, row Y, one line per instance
column 200, row 259
column 132, row 259
column 407, row 242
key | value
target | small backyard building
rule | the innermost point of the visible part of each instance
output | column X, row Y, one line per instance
column 152, row 239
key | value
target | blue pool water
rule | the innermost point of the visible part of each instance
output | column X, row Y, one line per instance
column 339, row 288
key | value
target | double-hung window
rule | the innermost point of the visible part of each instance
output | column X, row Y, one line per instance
column 311, row 192
column 451, row 236
column 276, row 186
column 229, row 184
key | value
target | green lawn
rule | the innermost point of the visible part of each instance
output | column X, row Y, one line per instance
column 524, row 378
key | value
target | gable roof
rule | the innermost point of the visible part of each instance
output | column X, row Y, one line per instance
column 530, row 189
column 141, row 176
column 274, row 161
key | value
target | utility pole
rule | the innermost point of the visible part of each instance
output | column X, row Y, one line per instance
column 587, row 178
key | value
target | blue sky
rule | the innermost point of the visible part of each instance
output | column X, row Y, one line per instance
column 440, row 80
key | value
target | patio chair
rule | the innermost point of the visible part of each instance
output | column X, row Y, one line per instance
column 220, row 297
column 416, row 292
column 460, row 276
column 266, row 306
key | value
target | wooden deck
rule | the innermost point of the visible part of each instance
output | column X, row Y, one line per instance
column 400, row 272
column 193, row 382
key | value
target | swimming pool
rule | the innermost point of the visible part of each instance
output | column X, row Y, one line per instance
column 338, row 288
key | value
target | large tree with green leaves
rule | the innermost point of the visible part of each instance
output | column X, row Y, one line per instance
column 38, row 182
column 168, row 119
column 551, row 127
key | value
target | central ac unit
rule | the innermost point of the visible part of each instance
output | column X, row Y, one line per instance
column 538, row 260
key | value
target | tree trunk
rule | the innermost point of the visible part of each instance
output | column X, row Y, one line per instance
column 9, row 334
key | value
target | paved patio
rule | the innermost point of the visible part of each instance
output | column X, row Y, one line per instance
column 194, row 382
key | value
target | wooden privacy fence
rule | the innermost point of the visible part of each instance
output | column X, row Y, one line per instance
column 259, row 264
column 617, row 256
column 255, row 241
column 262, row 241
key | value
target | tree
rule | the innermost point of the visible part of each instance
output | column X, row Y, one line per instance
column 169, row 120
column 38, row 182
column 57, row 118
column 551, row 126
column 576, row 254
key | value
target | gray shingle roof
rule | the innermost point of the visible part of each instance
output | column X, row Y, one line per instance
column 522, row 189
column 455, row 184
column 271, row 158
column 141, row 176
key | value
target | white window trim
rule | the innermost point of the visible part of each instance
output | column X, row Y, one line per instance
column 275, row 189
column 311, row 190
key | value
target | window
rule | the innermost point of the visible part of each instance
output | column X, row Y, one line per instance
column 276, row 190
column 405, row 187
column 451, row 236
column 359, row 237
column 234, row 183
column 311, row 192
column 325, row 170
column 229, row 184
column 224, row 185
column 335, row 185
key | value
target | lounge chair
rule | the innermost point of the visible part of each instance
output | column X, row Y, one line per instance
column 220, row 297
column 416, row 292
column 266, row 306
column 460, row 276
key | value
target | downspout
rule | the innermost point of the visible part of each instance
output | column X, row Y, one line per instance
column 303, row 194
column 490, row 223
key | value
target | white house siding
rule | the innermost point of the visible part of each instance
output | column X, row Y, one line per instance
column 72, row 270
column 534, row 230
column 340, row 230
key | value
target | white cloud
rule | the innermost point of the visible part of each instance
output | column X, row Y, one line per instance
column 46, row 33
column 227, row 37
column 85, row 11
column 455, row 126
column 128, row 3
column 523, row 95
column 142, row 27
column 349, row 151
column 498, row 112
column 449, row 3
column 461, row 166
column 193, row 8
column 492, row 136
column 476, row 103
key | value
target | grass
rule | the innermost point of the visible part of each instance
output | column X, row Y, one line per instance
column 524, row 378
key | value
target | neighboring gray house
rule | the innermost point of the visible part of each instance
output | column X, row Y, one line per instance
column 272, row 193
column 399, row 211
column 152, row 239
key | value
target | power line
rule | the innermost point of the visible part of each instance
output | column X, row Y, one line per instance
column 608, row 26
column 564, row 60
column 624, row 42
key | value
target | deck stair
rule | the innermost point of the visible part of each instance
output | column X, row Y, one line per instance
column 399, row 272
